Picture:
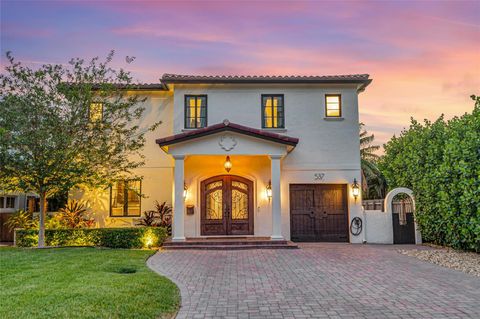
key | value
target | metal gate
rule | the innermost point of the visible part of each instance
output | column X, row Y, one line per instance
column 403, row 220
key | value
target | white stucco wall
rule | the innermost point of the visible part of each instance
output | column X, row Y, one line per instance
column 157, row 172
column 327, row 147
column 378, row 227
column 324, row 143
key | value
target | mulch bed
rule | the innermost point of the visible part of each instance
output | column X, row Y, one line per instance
column 467, row 262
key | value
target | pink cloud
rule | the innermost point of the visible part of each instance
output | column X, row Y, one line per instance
column 24, row 31
column 182, row 35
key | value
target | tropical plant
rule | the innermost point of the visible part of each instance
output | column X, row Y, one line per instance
column 66, row 125
column 440, row 162
column 21, row 219
column 149, row 218
column 373, row 182
column 164, row 212
column 161, row 216
column 74, row 215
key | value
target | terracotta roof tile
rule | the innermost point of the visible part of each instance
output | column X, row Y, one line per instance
column 183, row 77
column 362, row 79
column 227, row 126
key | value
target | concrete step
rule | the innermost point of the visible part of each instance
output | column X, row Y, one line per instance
column 226, row 243
column 230, row 247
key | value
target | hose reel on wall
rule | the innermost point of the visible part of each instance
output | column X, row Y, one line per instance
column 356, row 226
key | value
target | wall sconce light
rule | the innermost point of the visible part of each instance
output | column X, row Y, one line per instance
column 268, row 190
column 355, row 189
column 227, row 164
column 185, row 191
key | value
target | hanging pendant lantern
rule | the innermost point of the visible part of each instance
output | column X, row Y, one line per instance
column 227, row 165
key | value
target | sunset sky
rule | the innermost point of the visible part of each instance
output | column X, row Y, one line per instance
column 424, row 57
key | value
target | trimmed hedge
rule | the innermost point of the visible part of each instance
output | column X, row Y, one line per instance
column 131, row 237
column 440, row 162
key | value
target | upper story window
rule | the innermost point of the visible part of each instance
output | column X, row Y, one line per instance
column 333, row 105
column 195, row 111
column 125, row 198
column 95, row 112
column 273, row 115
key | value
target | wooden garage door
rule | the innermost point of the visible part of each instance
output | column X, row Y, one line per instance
column 318, row 212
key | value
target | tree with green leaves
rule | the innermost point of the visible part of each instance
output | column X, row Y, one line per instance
column 440, row 162
column 63, row 126
column 373, row 182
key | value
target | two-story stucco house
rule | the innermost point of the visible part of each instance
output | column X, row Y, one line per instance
column 265, row 156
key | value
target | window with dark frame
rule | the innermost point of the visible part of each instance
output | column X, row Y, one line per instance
column 95, row 112
column 195, row 111
column 273, row 111
column 2, row 203
column 125, row 198
column 10, row 202
column 333, row 105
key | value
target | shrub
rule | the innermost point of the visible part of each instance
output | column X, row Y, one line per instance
column 161, row 216
column 22, row 219
column 149, row 218
column 440, row 162
column 74, row 215
column 131, row 237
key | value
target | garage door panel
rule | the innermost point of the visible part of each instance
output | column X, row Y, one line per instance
column 303, row 227
column 318, row 212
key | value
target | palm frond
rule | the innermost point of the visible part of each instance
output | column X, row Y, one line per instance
column 373, row 182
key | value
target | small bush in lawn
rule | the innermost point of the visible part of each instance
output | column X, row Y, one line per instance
column 126, row 270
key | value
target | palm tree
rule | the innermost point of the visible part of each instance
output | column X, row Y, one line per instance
column 373, row 181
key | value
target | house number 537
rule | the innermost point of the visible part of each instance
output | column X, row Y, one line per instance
column 318, row 176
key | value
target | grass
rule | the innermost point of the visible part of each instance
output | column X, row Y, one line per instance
column 82, row 283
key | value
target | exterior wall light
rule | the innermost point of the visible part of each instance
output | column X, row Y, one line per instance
column 268, row 190
column 355, row 189
column 185, row 191
column 227, row 164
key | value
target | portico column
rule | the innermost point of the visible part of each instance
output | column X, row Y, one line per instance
column 276, row 199
column 178, row 232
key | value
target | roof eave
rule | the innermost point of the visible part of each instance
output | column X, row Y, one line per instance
column 364, row 85
column 272, row 81
column 164, row 143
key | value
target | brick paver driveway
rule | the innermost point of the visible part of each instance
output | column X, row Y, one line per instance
column 317, row 281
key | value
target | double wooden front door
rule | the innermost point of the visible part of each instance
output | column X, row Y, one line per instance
column 227, row 206
column 318, row 212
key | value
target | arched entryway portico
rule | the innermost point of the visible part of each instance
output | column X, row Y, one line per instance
column 237, row 142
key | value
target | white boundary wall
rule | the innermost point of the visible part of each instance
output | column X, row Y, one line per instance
column 377, row 225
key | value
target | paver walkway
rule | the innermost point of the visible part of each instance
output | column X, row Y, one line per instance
column 317, row 281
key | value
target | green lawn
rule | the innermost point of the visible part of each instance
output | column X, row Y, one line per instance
column 82, row 283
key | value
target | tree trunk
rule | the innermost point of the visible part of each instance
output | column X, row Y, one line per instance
column 41, row 226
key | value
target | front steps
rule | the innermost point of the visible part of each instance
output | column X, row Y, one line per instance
column 229, row 243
